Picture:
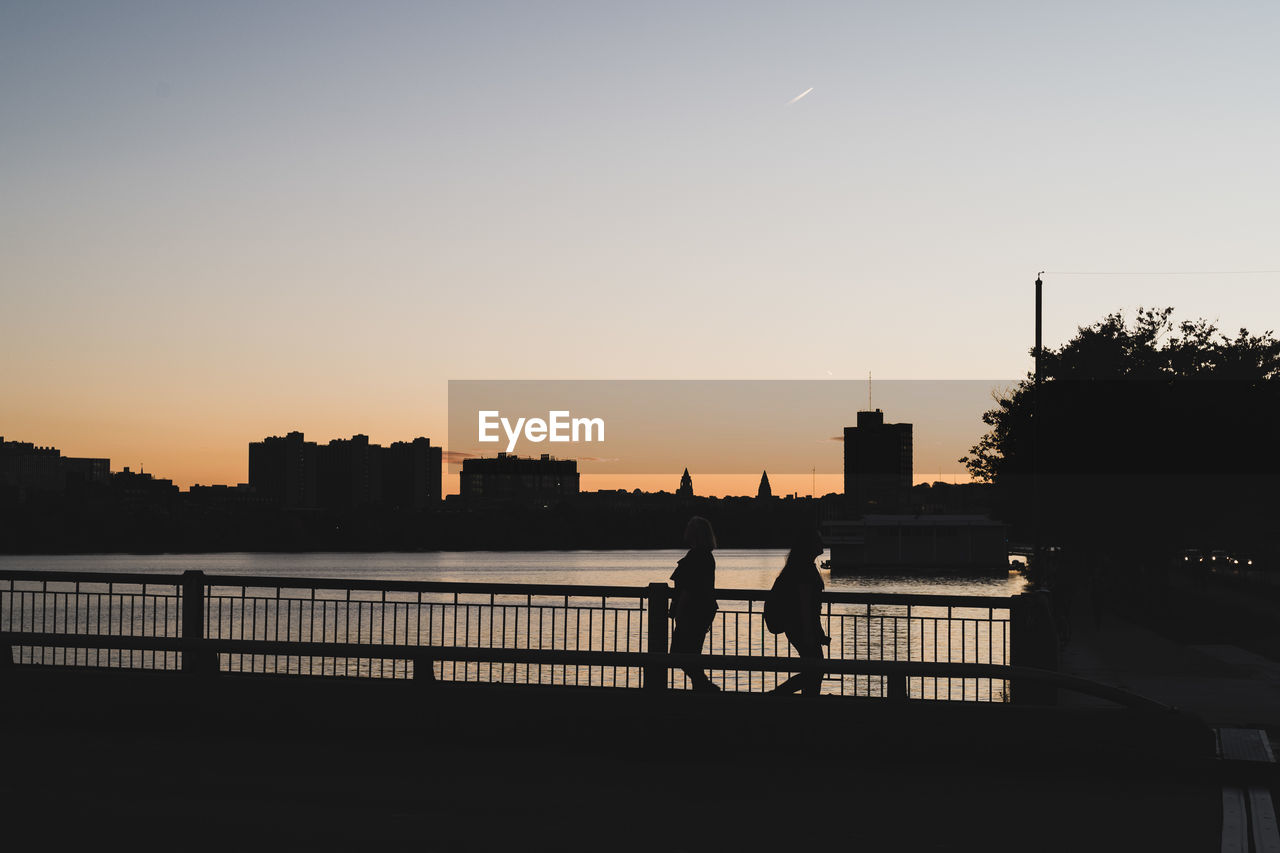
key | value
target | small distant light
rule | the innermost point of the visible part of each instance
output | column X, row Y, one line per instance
column 1250, row 563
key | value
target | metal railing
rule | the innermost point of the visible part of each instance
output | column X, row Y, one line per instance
column 96, row 604
column 875, row 627
column 490, row 632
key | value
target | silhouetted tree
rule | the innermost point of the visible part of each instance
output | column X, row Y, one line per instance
column 1153, row 436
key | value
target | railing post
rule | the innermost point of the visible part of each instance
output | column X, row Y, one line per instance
column 423, row 672
column 195, row 660
column 1033, row 642
column 896, row 687
column 655, row 676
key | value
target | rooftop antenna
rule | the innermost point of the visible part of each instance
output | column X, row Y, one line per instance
column 869, row 409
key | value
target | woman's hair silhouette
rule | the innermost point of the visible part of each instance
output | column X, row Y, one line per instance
column 698, row 533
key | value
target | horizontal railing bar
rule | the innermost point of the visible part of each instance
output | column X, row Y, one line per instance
column 597, row 658
column 498, row 655
column 256, row 581
column 283, row 582
column 91, row 577
column 980, row 602
column 428, row 586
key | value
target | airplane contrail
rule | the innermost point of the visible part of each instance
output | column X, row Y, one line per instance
column 801, row 95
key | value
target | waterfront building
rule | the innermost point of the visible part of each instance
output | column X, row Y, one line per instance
column 30, row 468
column 349, row 473
column 138, row 488
column 917, row 541
column 239, row 496
column 508, row 478
column 346, row 473
column 412, row 474
column 283, row 470
column 84, row 470
column 26, row 468
column 877, row 464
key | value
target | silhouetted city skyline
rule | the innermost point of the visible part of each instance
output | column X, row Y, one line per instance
column 353, row 494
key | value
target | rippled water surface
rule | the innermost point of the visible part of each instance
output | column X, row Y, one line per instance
column 736, row 569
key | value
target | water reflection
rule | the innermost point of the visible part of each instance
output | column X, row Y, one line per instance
column 735, row 568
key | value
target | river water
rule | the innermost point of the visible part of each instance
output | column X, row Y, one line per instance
column 735, row 568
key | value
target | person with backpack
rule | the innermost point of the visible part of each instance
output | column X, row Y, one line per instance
column 794, row 607
column 693, row 602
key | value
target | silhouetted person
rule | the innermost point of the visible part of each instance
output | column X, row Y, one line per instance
column 800, row 587
column 693, row 603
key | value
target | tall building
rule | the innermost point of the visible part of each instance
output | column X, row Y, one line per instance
column 686, row 485
column 508, row 478
column 349, row 473
column 411, row 474
column 283, row 470
column 346, row 473
column 31, row 468
column 26, row 469
column 877, row 464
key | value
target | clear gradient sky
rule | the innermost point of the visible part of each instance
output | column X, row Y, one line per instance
column 221, row 221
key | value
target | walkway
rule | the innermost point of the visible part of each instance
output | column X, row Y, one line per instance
column 342, row 764
column 1226, row 685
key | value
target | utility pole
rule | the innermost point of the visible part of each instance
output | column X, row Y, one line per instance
column 1035, row 437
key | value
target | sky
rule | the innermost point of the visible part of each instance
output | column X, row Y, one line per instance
column 222, row 221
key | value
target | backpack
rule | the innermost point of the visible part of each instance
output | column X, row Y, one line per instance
column 780, row 604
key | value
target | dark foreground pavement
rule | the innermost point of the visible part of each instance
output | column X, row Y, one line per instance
column 95, row 760
column 1223, row 684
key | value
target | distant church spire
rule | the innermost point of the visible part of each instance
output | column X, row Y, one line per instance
column 764, row 491
column 686, row 485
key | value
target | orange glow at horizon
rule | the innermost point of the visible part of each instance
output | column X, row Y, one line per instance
column 724, row 485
